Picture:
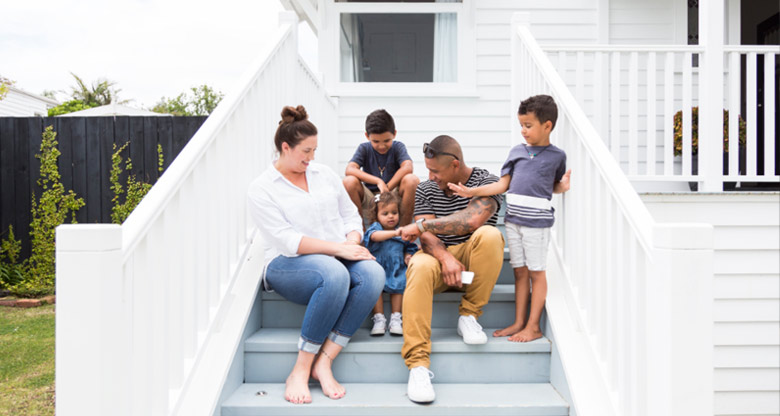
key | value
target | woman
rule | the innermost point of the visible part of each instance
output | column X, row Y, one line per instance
column 312, row 232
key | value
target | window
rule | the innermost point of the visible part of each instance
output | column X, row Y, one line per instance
column 400, row 48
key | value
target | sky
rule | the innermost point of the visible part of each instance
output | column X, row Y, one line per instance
column 150, row 48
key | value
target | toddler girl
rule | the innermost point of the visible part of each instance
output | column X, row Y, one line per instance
column 393, row 253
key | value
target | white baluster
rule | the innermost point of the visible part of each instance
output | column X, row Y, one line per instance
column 752, row 120
column 770, row 89
column 687, row 92
column 615, row 105
column 633, row 127
column 651, row 133
column 668, row 139
column 733, row 103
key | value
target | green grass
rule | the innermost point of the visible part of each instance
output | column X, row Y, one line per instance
column 27, row 361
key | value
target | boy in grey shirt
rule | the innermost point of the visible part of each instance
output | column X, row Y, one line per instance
column 530, row 175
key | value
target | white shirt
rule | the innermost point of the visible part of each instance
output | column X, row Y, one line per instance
column 285, row 213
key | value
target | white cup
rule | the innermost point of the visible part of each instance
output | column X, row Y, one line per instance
column 466, row 277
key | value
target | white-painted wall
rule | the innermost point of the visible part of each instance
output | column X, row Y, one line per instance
column 747, row 293
column 641, row 22
column 20, row 103
column 480, row 121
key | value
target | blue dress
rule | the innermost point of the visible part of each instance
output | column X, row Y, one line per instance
column 390, row 254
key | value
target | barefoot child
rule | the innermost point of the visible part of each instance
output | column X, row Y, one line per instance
column 381, row 165
column 531, row 174
column 393, row 254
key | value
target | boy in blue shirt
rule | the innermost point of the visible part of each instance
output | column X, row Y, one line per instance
column 530, row 175
column 381, row 165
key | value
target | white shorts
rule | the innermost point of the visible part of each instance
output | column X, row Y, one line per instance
column 528, row 246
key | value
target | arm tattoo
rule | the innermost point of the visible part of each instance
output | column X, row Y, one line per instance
column 431, row 243
column 465, row 221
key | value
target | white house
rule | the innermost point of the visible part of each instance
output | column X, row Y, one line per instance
column 20, row 103
column 662, row 301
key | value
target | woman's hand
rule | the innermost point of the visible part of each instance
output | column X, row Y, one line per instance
column 354, row 252
column 407, row 258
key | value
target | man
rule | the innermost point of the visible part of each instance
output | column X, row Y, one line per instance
column 457, row 234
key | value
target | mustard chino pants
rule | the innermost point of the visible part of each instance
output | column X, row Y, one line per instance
column 483, row 254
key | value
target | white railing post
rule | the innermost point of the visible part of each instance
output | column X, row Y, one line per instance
column 711, row 24
column 92, row 336
column 518, row 19
column 680, row 324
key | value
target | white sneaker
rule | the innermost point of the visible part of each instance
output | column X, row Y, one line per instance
column 471, row 330
column 396, row 325
column 420, row 389
column 380, row 324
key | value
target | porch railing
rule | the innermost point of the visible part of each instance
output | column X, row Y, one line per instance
column 632, row 94
column 629, row 300
column 150, row 313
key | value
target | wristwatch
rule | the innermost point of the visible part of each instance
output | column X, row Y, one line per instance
column 420, row 225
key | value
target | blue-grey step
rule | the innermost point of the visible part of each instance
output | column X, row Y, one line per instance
column 499, row 313
column 390, row 400
column 271, row 352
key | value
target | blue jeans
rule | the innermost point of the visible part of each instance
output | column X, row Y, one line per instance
column 338, row 294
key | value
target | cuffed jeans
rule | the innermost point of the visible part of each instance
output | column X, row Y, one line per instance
column 483, row 254
column 338, row 293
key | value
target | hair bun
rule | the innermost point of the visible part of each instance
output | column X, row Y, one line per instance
column 293, row 114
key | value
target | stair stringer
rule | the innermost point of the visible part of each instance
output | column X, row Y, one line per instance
column 223, row 343
column 583, row 384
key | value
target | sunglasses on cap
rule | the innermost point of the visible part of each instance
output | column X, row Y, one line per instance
column 431, row 153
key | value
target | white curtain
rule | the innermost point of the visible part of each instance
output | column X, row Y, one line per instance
column 350, row 60
column 445, row 41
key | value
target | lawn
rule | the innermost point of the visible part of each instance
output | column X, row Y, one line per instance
column 27, row 361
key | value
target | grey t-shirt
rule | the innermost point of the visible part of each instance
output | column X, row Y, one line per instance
column 531, row 184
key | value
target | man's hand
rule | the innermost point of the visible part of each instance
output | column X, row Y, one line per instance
column 450, row 271
column 409, row 232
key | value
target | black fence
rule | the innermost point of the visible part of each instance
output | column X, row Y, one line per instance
column 86, row 145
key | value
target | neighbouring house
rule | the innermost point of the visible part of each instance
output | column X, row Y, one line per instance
column 20, row 103
column 661, row 300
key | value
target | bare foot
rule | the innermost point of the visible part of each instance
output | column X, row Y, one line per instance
column 321, row 372
column 297, row 390
column 511, row 329
column 527, row 334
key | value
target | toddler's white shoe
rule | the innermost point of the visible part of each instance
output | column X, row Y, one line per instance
column 396, row 325
column 471, row 330
column 380, row 324
column 420, row 389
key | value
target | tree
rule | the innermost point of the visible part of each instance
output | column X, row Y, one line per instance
column 4, row 84
column 69, row 107
column 200, row 101
column 102, row 92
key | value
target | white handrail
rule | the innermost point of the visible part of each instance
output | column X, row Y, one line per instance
column 176, row 281
column 627, row 339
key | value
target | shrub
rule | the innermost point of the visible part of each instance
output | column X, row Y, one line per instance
column 48, row 213
column 136, row 190
column 695, row 131
column 12, row 272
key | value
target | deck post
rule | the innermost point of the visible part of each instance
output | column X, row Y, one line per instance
column 711, row 37
column 93, row 357
column 680, row 323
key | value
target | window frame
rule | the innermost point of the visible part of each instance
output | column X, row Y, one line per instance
column 466, row 47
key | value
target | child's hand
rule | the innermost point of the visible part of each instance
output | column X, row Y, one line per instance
column 398, row 232
column 382, row 186
column 461, row 190
column 564, row 184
